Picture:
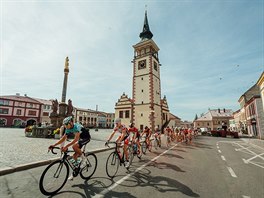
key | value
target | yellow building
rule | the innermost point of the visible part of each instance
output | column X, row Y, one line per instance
column 145, row 108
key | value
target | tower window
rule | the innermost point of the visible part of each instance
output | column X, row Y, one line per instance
column 142, row 78
column 142, row 90
column 142, row 102
column 141, row 114
column 155, row 66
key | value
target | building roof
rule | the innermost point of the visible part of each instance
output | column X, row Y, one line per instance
column 261, row 79
column 174, row 117
column 20, row 98
column 221, row 112
column 44, row 101
column 205, row 117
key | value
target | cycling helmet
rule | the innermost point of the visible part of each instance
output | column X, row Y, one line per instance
column 67, row 120
column 117, row 120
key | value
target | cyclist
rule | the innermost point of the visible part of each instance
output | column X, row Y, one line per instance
column 124, row 136
column 168, row 132
column 136, row 135
column 158, row 134
column 82, row 137
column 148, row 135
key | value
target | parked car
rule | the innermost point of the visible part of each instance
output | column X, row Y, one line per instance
column 205, row 131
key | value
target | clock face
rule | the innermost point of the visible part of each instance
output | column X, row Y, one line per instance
column 142, row 64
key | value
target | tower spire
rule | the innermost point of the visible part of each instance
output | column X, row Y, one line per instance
column 146, row 33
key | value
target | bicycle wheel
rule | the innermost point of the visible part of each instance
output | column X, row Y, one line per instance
column 54, row 177
column 144, row 147
column 130, row 152
column 139, row 153
column 112, row 164
column 90, row 165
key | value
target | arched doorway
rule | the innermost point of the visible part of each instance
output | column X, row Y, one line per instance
column 31, row 122
column 17, row 122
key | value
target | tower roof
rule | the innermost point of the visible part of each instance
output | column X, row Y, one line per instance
column 146, row 33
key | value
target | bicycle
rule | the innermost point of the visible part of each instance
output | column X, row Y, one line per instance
column 116, row 159
column 145, row 146
column 56, row 174
column 135, row 149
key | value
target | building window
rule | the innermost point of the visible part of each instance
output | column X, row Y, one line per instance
column 142, row 90
column 19, row 112
column 3, row 111
column 142, row 102
column 208, row 124
column 141, row 114
column 120, row 114
column 127, row 114
column 4, row 102
column 80, row 118
column 142, row 78
column 155, row 66
column 32, row 113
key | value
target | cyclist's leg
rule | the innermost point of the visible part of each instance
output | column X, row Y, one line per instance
column 125, row 148
column 77, row 151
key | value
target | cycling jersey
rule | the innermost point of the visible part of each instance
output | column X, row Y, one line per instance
column 135, row 131
column 84, row 133
column 120, row 130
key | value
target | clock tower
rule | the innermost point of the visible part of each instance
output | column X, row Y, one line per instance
column 146, row 92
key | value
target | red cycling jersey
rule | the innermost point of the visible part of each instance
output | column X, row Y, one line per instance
column 135, row 131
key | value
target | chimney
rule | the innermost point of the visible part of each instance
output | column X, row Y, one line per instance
column 224, row 110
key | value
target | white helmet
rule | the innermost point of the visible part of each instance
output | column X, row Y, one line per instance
column 117, row 120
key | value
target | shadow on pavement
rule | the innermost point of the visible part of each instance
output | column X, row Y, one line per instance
column 159, row 183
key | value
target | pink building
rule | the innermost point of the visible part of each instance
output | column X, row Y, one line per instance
column 254, row 113
column 19, row 111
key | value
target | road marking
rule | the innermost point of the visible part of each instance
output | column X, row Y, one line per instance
column 256, row 157
column 244, row 196
column 245, row 161
column 223, row 157
column 231, row 171
column 102, row 194
column 217, row 147
column 219, row 151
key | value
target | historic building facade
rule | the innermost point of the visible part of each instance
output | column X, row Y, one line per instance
column 214, row 119
column 251, row 112
column 19, row 111
column 145, row 108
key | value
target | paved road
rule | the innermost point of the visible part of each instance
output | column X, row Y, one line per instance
column 210, row 167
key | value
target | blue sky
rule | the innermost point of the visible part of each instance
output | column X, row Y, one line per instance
column 211, row 51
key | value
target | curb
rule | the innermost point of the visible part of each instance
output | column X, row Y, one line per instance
column 8, row 170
